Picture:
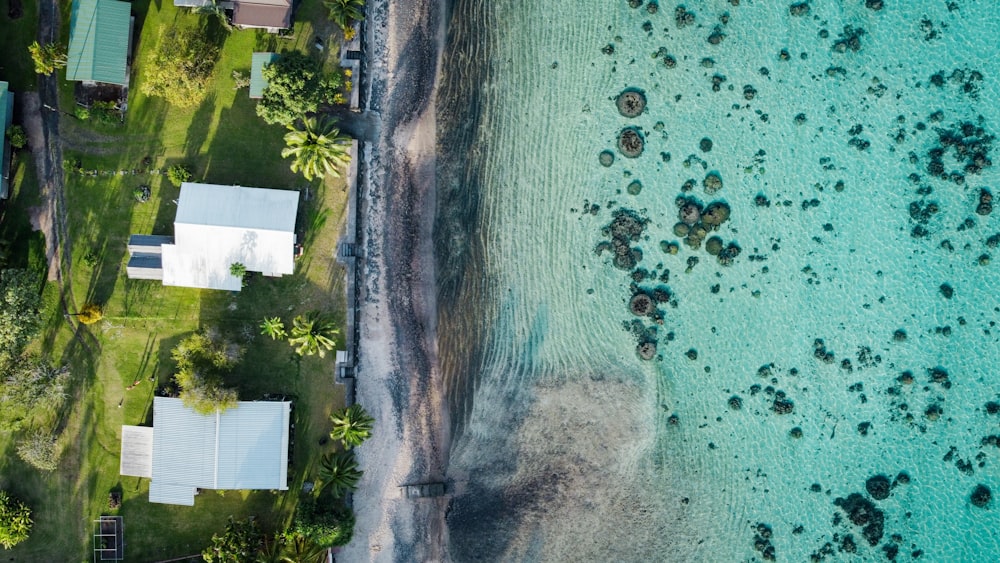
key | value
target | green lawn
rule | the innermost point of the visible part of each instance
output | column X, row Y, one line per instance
column 224, row 142
column 15, row 36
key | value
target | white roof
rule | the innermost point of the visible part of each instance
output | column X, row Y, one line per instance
column 137, row 451
column 217, row 226
column 245, row 447
column 172, row 494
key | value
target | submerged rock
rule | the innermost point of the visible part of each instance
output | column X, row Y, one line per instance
column 864, row 514
column 799, row 9
column 631, row 102
column 981, row 496
column 606, row 158
column 646, row 350
column 878, row 487
column 712, row 183
column 641, row 305
column 630, row 142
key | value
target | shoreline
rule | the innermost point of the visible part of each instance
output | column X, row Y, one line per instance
column 397, row 376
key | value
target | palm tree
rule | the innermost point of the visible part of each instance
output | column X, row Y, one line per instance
column 351, row 425
column 301, row 549
column 47, row 58
column 317, row 149
column 274, row 328
column 340, row 472
column 312, row 333
column 344, row 12
column 213, row 8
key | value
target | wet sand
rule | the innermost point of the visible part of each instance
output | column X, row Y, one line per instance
column 397, row 379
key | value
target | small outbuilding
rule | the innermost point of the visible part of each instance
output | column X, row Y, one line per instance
column 257, row 81
column 245, row 447
column 270, row 15
column 100, row 33
column 216, row 227
column 6, row 117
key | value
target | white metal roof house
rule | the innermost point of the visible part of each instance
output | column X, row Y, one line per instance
column 245, row 447
column 215, row 227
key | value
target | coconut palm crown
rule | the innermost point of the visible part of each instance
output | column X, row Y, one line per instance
column 340, row 472
column 312, row 334
column 317, row 149
column 351, row 425
column 344, row 12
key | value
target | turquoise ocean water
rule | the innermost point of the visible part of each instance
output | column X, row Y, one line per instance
column 852, row 172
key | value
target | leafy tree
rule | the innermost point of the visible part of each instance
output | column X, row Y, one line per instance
column 17, row 137
column 317, row 149
column 237, row 270
column 47, row 58
column 90, row 314
column 311, row 334
column 19, row 316
column 39, row 450
column 351, row 425
column 180, row 67
column 15, row 521
column 339, row 472
column 296, row 85
column 239, row 544
column 177, row 174
column 202, row 361
column 327, row 524
column 345, row 12
column 274, row 328
column 30, row 386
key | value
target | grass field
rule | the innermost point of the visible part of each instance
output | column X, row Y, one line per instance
column 223, row 141
column 15, row 36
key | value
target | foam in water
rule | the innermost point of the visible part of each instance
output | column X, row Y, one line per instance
column 852, row 336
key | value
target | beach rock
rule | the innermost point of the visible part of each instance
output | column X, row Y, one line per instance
column 671, row 247
column 712, row 183
column 992, row 407
column 874, row 4
column 899, row 335
column 906, row 378
column 682, row 17
column 630, row 142
column 981, row 496
column 641, row 305
column 631, row 102
column 669, row 61
column 864, row 427
column 760, row 200
column 795, row 432
column 799, row 9
column 878, row 487
column 715, row 214
column 749, row 92
column 782, row 405
column 863, row 513
column 652, row 7
column 713, row 246
column 902, row 479
column 691, row 354
column 646, row 350
column 849, row 39
column 735, row 403
column 689, row 214
column 716, row 37
column 606, row 158
column 634, row 4
column 728, row 254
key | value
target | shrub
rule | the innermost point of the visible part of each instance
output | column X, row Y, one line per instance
column 90, row 314
column 39, row 450
column 328, row 525
column 202, row 361
column 30, row 386
column 241, row 79
column 15, row 521
column 178, row 174
column 239, row 544
column 296, row 85
column 17, row 137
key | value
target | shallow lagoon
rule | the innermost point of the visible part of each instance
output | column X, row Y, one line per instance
column 564, row 433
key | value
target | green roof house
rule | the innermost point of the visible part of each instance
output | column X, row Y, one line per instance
column 6, row 114
column 257, row 63
column 100, row 33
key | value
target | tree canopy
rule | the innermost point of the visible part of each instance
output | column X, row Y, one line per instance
column 203, row 359
column 296, row 85
column 239, row 544
column 180, row 67
column 15, row 521
column 328, row 524
column 19, row 316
